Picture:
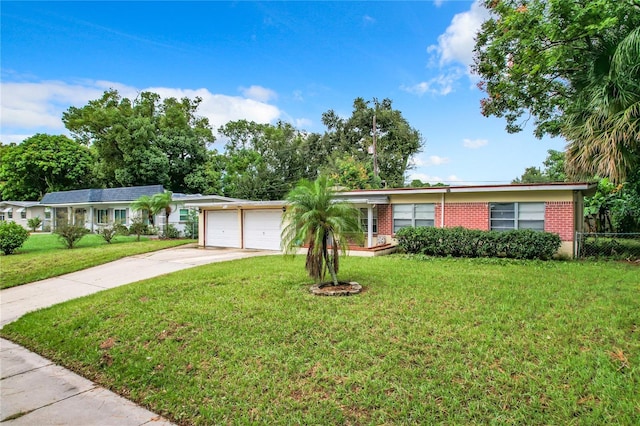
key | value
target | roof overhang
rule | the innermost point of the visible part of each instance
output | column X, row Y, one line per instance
column 365, row 199
column 244, row 204
column 585, row 187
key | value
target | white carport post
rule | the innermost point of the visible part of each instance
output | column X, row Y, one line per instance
column 370, row 225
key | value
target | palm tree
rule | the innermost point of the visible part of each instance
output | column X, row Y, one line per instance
column 145, row 204
column 314, row 218
column 154, row 205
column 162, row 201
column 603, row 125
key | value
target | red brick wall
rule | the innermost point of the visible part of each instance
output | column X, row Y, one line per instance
column 468, row 215
column 385, row 219
column 558, row 218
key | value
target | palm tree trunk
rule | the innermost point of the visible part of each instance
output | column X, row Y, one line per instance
column 329, row 262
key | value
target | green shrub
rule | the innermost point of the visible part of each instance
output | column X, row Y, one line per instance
column 71, row 234
column 191, row 227
column 170, row 232
column 12, row 236
column 462, row 242
column 34, row 222
column 138, row 227
column 108, row 233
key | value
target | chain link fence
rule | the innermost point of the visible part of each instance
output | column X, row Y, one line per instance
column 608, row 246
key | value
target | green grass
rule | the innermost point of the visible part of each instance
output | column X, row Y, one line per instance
column 44, row 256
column 455, row 341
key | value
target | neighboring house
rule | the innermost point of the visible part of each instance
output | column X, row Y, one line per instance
column 21, row 211
column 96, row 208
column 553, row 207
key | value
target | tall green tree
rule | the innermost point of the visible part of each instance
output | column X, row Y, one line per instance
column 145, row 140
column 262, row 161
column 396, row 140
column 553, row 170
column 315, row 218
column 44, row 163
column 572, row 66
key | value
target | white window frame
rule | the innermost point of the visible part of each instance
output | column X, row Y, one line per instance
column 524, row 215
column 413, row 215
column 183, row 217
column 101, row 212
column 23, row 215
column 364, row 219
column 121, row 220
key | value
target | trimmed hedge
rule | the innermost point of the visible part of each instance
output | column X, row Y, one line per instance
column 462, row 242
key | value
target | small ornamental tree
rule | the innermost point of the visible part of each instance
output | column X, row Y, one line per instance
column 12, row 236
column 34, row 222
column 138, row 227
column 71, row 234
column 314, row 218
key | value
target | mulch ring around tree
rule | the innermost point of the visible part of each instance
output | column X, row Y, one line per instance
column 344, row 288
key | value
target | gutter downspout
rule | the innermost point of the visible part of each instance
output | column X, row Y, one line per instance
column 442, row 211
column 370, row 225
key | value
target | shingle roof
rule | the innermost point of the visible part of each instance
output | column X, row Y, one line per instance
column 100, row 195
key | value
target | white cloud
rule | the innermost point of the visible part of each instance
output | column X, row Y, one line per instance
column 31, row 107
column 474, row 143
column 368, row 20
column 457, row 42
column 302, row 123
column 440, row 85
column 220, row 109
column 7, row 139
column 451, row 179
column 432, row 160
column 258, row 93
column 438, row 3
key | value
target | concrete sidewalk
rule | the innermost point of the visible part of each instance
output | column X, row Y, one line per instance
column 34, row 391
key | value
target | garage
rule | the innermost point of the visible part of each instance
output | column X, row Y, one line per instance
column 223, row 229
column 262, row 229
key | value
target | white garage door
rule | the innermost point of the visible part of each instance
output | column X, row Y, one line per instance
column 262, row 229
column 223, row 229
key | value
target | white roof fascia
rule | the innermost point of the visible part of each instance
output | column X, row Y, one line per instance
column 206, row 198
column 366, row 200
column 238, row 204
column 375, row 192
column 520, row 188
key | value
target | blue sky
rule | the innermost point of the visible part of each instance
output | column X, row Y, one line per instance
column 267, row 61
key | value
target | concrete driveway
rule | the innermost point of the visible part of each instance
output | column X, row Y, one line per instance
column 33, row 390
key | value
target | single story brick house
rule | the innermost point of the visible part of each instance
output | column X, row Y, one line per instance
column 96, row 208
column 551, row 207
column 21, row 211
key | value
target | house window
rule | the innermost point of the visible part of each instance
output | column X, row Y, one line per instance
column 412, row 215
column 184, row 215
column 364, row 220
column 47, row 213
column 507, row 216
column 102, row 216
column 10, row 214
column 120, row 216
column 1, row 217
column 23, row 214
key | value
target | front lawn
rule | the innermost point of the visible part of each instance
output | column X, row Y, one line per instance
column 44, row 256
column 455, row 341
